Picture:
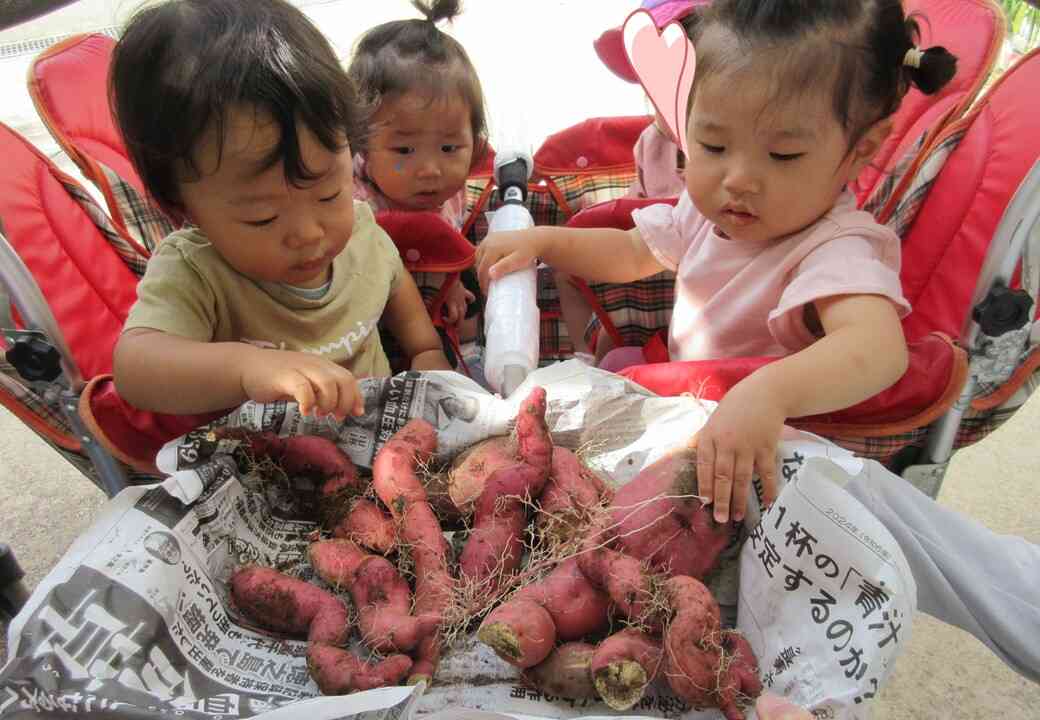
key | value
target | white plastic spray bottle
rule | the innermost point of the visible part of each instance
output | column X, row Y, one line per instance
column 511, row 321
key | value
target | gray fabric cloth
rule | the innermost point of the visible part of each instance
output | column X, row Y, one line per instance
column 967, row 576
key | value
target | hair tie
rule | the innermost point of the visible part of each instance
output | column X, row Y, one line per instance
column 913, row 57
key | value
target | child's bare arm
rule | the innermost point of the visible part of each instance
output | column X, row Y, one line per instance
column 862, row 353
column 406, row 318
column 165, row 373
column 598, row 254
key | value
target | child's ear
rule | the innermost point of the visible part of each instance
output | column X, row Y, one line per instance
column 868, row 145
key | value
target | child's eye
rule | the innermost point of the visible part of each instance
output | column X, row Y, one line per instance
column 450, row 148
column 786, row 157
column 333, row 196
column 403, row 150
column 261, row 223
column 712, row 148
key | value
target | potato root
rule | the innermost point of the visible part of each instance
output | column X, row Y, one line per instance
column 396, row 482
column 564, row 673
column 381, row 596
column 623, row 665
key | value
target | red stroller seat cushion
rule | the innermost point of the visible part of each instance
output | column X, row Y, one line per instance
column 935, row 375
column 426, row 241
column 591, row 146
column 132, row 436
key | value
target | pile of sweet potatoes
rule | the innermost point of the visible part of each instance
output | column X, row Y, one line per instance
column 638, row 564
column 602, row 592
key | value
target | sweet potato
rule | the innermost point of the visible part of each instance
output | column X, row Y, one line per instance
column 286, row 604
column 576, row 607
column 381, row 596
column 698, row 666
column 569, row 497
column 565, row 672
column 742, row 683
column 396, row 482
column 622, row 577
column 494, row 546
column 366, row 524
column 658, row 518
column 566, row 607
column 321, row 475
column 521, row 632
column 529, row 443
column 338, row 672
column 623, row 665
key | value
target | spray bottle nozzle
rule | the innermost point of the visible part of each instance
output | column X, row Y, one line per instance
column 512, row 171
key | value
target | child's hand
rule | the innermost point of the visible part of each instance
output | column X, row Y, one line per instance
column 739, row 439
column 504, row 252
column 319, row 386
column 455, row 303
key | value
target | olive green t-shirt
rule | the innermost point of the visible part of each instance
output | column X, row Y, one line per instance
column 190, row 291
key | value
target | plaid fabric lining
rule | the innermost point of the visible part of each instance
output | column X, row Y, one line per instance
column 48, row 413
column 133, row 259
column 146, row 223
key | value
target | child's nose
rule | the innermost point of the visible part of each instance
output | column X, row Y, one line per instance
column 305, row 232
column 741, row 179
column 429, row 168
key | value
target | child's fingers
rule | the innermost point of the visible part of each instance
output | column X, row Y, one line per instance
column 765, row 464
column 723, row 484
column 468, row 296
column 705, row 468
column 326, row 396
column 510, row 263
column 743, row 467
column 303, row 393
column 359, row 404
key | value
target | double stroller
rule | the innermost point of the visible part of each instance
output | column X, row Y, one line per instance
column 958, row 179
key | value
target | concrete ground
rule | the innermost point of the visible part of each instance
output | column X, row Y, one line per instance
column 532, row 56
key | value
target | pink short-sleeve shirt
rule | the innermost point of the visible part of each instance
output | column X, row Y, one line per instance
column 657, row 165
column 739, row 299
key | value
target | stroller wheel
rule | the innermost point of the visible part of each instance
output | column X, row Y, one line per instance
column 13, row 592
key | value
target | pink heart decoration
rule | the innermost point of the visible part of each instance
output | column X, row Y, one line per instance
column 664, row 61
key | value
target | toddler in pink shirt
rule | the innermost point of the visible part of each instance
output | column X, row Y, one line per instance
column 790, row 100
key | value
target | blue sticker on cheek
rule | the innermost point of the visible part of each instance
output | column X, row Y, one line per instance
column 399, row 167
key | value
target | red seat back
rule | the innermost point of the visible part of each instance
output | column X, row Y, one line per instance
column 69, row 86
column 945, row 246
column 86, row 283
column 974, row 31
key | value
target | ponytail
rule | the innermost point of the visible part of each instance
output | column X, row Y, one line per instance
column 929, row 70
column 436, row 10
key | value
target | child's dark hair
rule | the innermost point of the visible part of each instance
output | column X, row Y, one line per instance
column 865, row 49
column 405, row 55
column 180, row 66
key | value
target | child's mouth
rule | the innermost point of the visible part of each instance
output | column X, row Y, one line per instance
column 739, row 217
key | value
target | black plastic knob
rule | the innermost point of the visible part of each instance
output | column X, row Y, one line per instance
column 1003, row 310
column 35, row 359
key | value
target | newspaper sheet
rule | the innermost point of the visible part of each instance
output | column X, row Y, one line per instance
column 135, row 620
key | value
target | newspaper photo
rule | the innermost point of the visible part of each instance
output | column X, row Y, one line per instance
column 135, row 621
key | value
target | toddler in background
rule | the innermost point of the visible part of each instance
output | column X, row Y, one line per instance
column 659, row 161
column 239, row 119
column 791, row 98
column 429, row 129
